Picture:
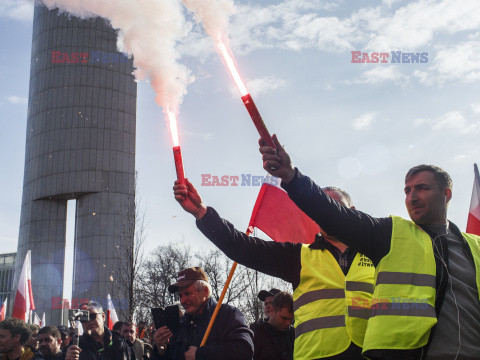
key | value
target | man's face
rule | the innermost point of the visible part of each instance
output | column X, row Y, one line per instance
column 267, row 307
column 33, row 341
column 48, row 345
column 8, row 342
column 65, row 340
column 281, row 319
column 426, row 202
column 129, row 332
column 95, row 325
column 193, row 301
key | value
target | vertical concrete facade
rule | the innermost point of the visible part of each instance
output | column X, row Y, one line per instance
column 80, row 144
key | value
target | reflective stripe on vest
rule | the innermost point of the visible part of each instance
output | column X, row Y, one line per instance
column 403, row 304
column 326, row 304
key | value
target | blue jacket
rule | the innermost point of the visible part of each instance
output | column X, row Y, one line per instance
column 230, row 336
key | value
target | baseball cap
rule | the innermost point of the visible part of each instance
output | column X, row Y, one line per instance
column 187, row 277
column 263, row 294
column 63, row 329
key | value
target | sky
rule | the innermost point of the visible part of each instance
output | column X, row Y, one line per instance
column 358, row 126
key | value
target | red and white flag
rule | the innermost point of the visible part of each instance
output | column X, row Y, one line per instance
column 473, row 223
column 24, row 298
column 112, row 317
column 3, row 310
column 277, row 216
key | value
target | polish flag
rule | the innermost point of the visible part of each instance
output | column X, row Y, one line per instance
column 277, row 216
column 112, row 317
column 24, row 298
column 473, row 223
column 3, row 310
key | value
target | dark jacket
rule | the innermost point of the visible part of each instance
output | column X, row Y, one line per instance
column 115, row 347
column 230, row 336
column 59, row 356
column 272, row 344
column 370, row 236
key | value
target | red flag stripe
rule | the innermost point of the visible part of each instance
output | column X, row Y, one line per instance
column 473, row 225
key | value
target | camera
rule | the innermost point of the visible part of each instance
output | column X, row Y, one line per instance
column 80, row 315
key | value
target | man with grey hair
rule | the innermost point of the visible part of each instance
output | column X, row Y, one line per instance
column 97, row 341
column 345, row 281
column 230, row 336
column 427, row 300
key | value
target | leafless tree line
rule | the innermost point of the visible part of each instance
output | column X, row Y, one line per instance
column 144, row 278
column 158, row 270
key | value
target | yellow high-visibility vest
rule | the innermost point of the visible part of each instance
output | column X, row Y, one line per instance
column 331, row 309
column 403, row 304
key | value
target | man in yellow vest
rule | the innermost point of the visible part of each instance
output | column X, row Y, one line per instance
column 333, row 284
column 426, row 301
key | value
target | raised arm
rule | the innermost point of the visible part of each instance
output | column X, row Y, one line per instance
column 365, row 233
column 281, row 260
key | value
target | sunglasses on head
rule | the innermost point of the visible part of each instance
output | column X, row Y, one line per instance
column 91, row 316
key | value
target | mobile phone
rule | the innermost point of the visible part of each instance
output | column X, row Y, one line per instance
column 169, row 317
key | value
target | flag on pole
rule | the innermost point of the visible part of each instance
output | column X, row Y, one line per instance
column 3, row 310
column 43, row 320
column 277, row 216
column 112, row 317
column 24, row 298
column 473, row 223
column 36, row 320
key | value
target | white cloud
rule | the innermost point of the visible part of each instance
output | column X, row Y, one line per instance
column 17, row 100
column 17, row 9
column 380, row 74
column 416, row 24
column 291, row 24
column 391, row 25
column 364, row 121
column 475, row 108
column 265, row 84
column 453, row 120
column 204, row 136
column 459, row 62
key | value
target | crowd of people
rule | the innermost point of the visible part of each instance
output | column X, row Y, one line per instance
column 365, row 287
column 270, row 338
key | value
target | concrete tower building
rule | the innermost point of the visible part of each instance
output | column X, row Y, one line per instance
column 80, row 145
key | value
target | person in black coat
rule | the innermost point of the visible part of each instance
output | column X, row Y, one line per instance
column 230, row 336
column 98, row 342
column 273, row 339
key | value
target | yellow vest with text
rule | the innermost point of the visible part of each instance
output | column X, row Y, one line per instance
column 403, row 304
column 331, row 309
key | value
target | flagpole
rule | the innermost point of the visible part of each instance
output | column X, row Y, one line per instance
column 220, row 300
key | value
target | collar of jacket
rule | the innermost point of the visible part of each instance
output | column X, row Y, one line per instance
column 206, row 313
column 88, row 340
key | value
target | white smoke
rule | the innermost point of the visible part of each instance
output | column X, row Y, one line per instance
column 149, row 30
column 213, row 15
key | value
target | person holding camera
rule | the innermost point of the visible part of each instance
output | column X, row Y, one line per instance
column 97, row 341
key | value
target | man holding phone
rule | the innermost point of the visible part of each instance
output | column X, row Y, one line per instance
column 97, row 341
column 230, row 335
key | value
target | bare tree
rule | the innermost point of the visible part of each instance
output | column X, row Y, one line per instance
column 157, row 274
column 217, row 267
column 129, row 259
